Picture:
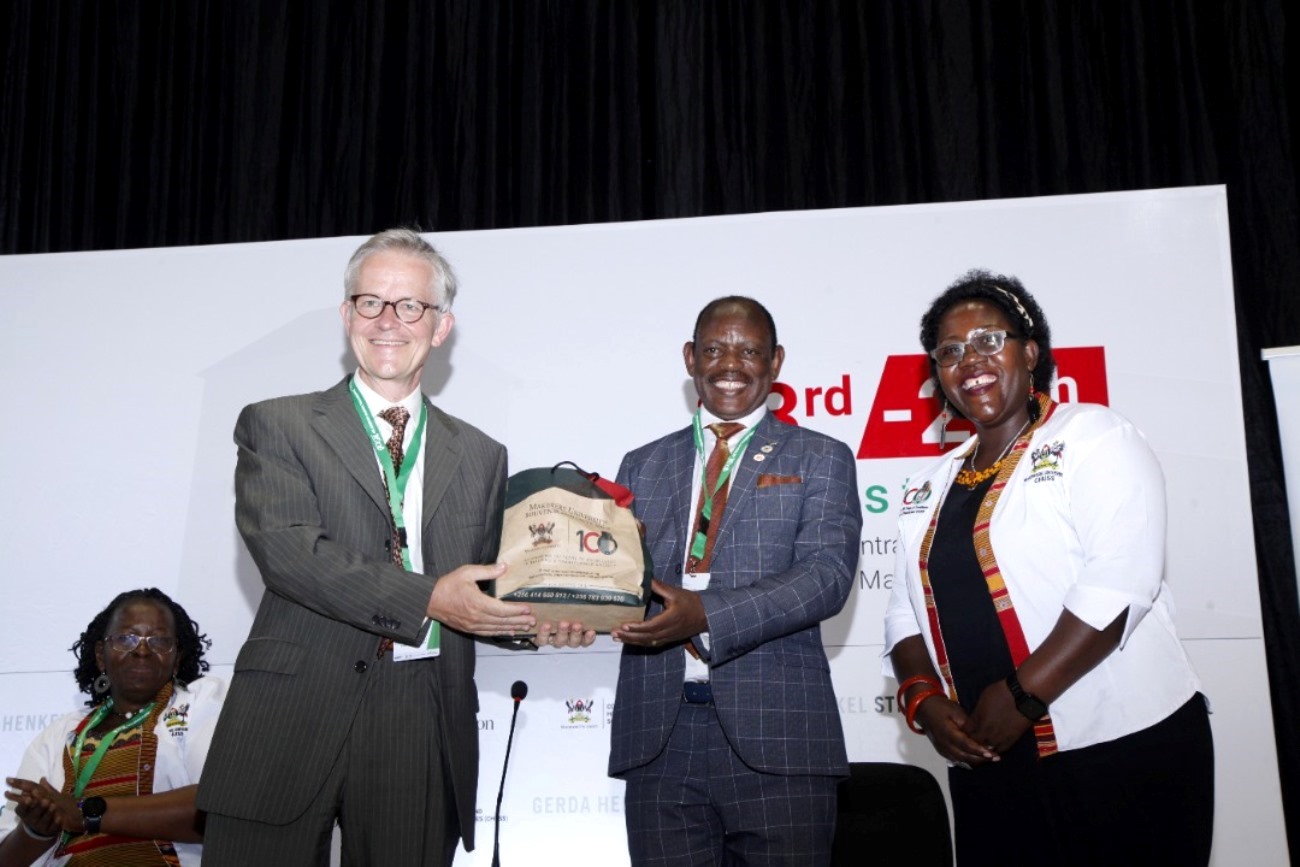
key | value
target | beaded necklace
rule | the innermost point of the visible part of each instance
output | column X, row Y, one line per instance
column 971, row 478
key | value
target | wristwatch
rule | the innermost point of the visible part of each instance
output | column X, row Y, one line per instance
column 92, row 811
column 1027, row 703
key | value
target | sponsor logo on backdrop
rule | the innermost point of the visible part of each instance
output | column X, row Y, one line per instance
column 481, row 815
column 586, row 713
column 864, row 704
column 573, row 805
column 27, row 722
column 580, row 713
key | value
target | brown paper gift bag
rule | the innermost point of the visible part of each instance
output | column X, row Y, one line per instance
column 574, row 549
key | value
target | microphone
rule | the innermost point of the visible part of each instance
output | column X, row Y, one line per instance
column 518, row 692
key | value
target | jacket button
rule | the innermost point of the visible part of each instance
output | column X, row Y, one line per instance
column 360, row 667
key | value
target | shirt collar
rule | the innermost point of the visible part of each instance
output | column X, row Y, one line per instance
column 377, row 403
column 707, row 418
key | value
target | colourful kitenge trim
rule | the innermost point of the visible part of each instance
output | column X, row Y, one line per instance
column 1044, row 733
column 126, row 769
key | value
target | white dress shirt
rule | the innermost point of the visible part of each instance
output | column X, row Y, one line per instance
column 696, row 669
column 413, row 497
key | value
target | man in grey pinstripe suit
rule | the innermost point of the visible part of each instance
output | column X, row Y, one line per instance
column 353, row 699
column 725, row 724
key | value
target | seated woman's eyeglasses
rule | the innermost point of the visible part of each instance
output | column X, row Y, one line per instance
column 407, row 309
column 126, row 642
column 985, row 343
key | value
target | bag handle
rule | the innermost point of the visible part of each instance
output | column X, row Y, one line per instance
column 621, row 496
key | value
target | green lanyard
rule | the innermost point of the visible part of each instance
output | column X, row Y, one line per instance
column 84, row 774
column 396, row 481
column 700, row 541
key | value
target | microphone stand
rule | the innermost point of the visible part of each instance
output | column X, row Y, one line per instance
column 517, row 692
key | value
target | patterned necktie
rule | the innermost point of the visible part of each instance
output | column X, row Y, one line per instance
column 709, row 526
column 397, row 417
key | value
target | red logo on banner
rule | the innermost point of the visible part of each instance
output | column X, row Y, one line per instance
column 904, row 420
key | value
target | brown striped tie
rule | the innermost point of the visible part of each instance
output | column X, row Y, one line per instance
column 724, row 431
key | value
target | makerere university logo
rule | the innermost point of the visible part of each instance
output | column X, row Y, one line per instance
column 580, row 713
column 541, row 534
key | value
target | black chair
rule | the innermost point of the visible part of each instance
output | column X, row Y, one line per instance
column 891, row 814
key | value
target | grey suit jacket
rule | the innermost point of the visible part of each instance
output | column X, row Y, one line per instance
column 784, row 560
column 310, row 505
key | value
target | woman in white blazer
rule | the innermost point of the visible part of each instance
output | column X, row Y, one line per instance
column 1032, row 633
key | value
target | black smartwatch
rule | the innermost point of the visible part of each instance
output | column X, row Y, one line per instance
column 1030, row 705
column 92, row 811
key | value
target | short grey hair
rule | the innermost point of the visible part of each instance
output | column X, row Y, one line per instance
column 406, row 241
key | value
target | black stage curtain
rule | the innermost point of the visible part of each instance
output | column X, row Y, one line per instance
column 134, row 124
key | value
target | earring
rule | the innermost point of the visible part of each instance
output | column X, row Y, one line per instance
column 944, row 418
column 101, row 684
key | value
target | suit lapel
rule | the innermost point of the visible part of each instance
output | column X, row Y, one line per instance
column 337, row 423
column 441, row 457
column 669, row 506
column 681, row 466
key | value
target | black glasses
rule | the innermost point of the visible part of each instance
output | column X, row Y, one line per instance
column 985, row 343
column 129, row 641
column 407, row 309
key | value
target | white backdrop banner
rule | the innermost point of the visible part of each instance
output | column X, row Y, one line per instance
column 128, row 370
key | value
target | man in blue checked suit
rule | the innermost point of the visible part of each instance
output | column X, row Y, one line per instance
column 725, row 724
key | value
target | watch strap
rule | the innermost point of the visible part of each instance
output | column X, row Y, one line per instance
column 1030, row 706
column 92, row 813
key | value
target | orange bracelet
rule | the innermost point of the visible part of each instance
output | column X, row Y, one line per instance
column 916, row 705
column 911, row 682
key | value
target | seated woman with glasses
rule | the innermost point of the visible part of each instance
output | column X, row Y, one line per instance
column 116, row 785
column 1030, row 627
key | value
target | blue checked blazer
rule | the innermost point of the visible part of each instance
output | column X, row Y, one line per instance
column 783, row 561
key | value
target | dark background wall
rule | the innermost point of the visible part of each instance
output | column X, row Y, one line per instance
column 135, row 124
